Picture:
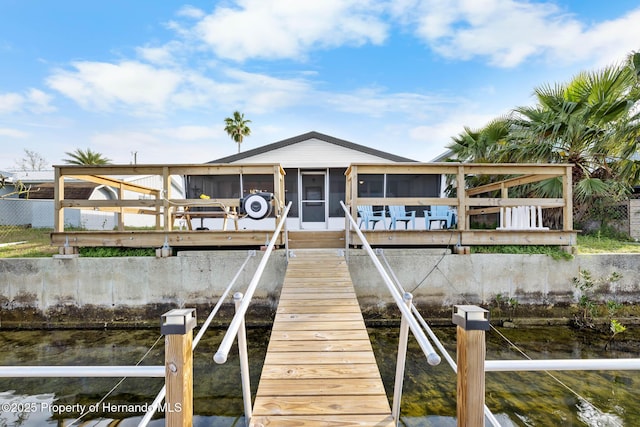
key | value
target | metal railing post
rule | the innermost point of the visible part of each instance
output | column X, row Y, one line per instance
column 347, row 235
column 177, row 327
column 223, row 350
column 400, row 362
column 244, row 363
column 472, row 323
column 286, row 244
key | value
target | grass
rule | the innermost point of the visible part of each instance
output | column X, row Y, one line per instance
column 553, row 251
column 25, row 242
column 37, row 243
column 594, row 244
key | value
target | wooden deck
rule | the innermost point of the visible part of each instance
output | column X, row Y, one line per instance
column 320, row 369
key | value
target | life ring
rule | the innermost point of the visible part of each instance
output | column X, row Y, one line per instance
column 256, row 206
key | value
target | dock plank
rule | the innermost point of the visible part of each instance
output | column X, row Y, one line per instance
column 320, row 369
column 318, row 345
column 326, row 421
column 310, row 335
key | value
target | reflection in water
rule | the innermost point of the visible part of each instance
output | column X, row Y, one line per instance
column 517, row 398
column 21, row 409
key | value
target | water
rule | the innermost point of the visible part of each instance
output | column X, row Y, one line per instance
column 517, row 399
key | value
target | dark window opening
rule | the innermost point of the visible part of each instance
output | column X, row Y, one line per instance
column 291, row 191
column 337, row 184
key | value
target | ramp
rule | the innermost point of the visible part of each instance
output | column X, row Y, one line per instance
column 320, row 369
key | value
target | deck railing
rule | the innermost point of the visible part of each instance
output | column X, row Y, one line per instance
column 487, row 412
column 516, row 365
column 237, row 326
column 157, row 198
column 467, row 202
column 408, row 322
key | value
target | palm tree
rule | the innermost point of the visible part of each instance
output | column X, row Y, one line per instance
column 479, row 146
column 590, row 122
column 87, row 157
column 237, row 127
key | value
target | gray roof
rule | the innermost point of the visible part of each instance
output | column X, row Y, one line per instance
column 305, row 137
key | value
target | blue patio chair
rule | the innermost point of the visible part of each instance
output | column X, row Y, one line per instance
column 398, row 213
column 367, row 214
column 439, row 213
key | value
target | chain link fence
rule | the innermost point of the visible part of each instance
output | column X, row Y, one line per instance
column 19, row 216
column 622, row 217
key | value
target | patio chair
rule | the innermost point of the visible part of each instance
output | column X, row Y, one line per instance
column 398, row 213
column 367, row 214
column 439, row 213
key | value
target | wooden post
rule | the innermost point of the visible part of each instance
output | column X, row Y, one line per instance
column 58, row 195
column 567, row 196
column 121, row 210
column 166, row 195
column 472, row 323
column 177, row 327
column 463, row 217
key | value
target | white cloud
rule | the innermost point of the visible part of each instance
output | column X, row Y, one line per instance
column 191, row 133
column 607, row 42
column 285, row 29
column 33, row 100
column 443, row 130
column 375, row 102
column 39, row 101
column 102, row 86
column 261, row 93
column 508, row 32
column 191, row 12
column 13, row 133
column 183, row 144
column 11, row 102
column 157, row 55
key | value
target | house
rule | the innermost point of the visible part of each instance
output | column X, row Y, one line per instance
column 315, row 166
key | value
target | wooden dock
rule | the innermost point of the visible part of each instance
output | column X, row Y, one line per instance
column 320, row 369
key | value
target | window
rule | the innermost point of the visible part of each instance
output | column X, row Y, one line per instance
column 214, row 186
column 252, row 183
column 291, row 191
column 413, row 185
column 370, row 185
column 337, row 183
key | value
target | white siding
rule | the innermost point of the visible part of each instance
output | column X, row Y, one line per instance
column 314, row 153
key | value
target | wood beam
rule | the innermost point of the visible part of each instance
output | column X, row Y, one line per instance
column 507, row 183
column 113, row 182
column 495, row 201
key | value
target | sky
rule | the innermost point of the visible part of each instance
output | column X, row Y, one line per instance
column 153, row 81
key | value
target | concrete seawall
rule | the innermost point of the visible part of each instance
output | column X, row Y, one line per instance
column 49, row 291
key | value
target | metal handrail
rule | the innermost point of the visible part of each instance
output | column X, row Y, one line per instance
column 432, row 357
column 81, row 371
column 562, row 365
column 225, row 346
column 487, row 412
column 237, row 327
column 163, row 391
column 404, row 303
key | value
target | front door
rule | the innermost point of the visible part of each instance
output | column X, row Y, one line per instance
column 313, row 200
